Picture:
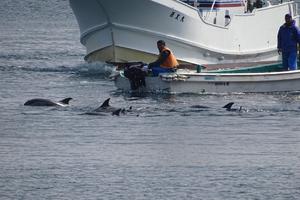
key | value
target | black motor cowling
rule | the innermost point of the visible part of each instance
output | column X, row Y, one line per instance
column 136, row 75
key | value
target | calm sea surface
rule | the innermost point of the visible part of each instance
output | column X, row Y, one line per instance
column 169, row 147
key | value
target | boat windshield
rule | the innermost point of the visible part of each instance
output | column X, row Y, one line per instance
column 249, row 4
column 220, row 12
column 193, row 3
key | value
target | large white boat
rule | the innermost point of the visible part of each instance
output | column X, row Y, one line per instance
column 199, row 32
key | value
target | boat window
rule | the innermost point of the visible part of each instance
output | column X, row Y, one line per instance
column 193, row 3
column 254, row 4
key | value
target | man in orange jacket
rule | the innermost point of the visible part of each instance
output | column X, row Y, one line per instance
column 166, row 61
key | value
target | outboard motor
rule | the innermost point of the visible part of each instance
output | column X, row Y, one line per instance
column 136, row 75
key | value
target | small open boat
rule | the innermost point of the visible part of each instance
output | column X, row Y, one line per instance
column 258, row 78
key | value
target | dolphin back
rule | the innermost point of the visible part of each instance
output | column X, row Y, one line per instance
column 39, row 102
column 117, row 112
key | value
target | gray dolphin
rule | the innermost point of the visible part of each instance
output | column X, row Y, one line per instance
column 229, row 107
column 106, row 108
column 47, row 102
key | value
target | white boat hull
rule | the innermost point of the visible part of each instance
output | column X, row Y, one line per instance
column 127, row 30
column 218, row 83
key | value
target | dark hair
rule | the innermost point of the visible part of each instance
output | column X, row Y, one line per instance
column 288, row 16
column 161, row 42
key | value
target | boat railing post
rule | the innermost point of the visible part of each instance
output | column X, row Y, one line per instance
column 199, row 68
column 211, row 9
column 295, row 8
column 227, row 17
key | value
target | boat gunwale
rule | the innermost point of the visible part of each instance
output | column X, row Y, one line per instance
column 241, row 74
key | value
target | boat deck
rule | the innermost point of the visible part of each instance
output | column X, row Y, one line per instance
column 247, row 67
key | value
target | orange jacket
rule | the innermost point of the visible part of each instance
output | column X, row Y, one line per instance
column 171, row 61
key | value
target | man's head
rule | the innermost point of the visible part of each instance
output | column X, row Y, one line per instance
column 288, row 19
column 160, row 45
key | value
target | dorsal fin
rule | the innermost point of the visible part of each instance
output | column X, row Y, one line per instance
column 228, row 106
column 105, row 103
column 66, row 100
column 117, row 112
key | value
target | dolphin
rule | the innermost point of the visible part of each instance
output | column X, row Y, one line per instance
column 229, row 107
column 47, row 102
column 106, row 108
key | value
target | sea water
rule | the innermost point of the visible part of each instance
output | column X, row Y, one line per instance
column 170, row 147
